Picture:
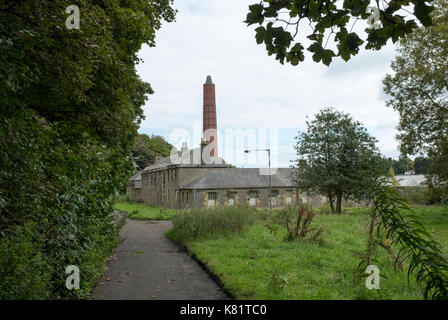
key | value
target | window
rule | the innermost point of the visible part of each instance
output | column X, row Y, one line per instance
column 304, row 197
column 253, row 198
column 231, row 195
column 211, row 199
column 274, row 194
column 288, row 197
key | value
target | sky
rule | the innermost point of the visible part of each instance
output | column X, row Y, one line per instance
column 260, row 103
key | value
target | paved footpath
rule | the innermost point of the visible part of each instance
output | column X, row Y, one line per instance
column 147, row 265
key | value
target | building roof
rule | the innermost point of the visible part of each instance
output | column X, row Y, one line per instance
column 136, row 176
column 189, row 158
column 414, row 180
column 136, row 180
column 242, row 178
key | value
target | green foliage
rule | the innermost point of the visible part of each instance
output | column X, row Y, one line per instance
column 395, row 221
column 55, row 208
column 70, row 105
column 146, row 149
column 24, row 269
column 302, row 226
column 417, row 195
column 320, row 20
column 140, row 211
column 399, row 166
column 394, row 181
column 248, row 262
column 192, row 224
column 417, row 90
column 336, row 157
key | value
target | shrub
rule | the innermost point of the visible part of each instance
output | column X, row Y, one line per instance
column 194, row 223
column 24, row 269
column 417, row 195
column 302, row 226
column 55, row 208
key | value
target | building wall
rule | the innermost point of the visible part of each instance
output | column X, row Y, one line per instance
column 133, row 193
column 200, row 198
column 160, row 187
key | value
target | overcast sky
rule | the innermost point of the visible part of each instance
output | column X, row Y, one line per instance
column 254, row 92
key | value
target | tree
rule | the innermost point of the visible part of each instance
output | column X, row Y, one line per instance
column 82, row 80
column 323, row 19
column 394, row 181
column 418, row 90
column 146, row 149
column 422, row 164
column 336, row 157
column 70, row 105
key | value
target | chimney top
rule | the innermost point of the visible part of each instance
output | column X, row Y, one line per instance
column 209, row 80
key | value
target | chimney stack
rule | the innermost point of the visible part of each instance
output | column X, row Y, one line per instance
column 209, row 116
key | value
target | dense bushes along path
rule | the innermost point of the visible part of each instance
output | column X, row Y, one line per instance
column 147, row 265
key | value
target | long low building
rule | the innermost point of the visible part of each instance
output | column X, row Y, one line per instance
column 180, row 186
column 199, row 178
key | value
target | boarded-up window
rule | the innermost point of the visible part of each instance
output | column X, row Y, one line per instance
column 274, row 195
column 231, row 196
column 211, row 199
column 288, row 197
column 253, row 198
column 304, row 197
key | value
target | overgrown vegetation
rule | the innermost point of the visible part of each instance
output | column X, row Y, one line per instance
column 417, row 90
column 255, row 262
column 70, row 105
column 302, row 226
column 145, row 150
column 193, row 223
column 393, row 224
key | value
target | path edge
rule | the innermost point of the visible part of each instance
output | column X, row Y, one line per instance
column 192, row 255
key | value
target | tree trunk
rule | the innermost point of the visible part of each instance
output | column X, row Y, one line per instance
column 330, row 198
column 339, row 203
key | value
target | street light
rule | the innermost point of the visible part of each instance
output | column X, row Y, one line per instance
column 269, row 157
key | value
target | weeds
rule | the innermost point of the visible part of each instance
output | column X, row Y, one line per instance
column 302, row 226
column 192, row 224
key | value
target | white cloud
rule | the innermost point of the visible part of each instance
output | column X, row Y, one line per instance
column 254, row 90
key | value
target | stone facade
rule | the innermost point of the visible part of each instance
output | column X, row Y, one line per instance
column 179, row 186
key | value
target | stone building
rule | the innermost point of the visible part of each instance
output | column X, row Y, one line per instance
column 199, row 178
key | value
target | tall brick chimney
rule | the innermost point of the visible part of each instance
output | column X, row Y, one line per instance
column 209, row 116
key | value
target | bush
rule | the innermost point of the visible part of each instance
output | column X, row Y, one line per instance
column 25, row 272
column 55, row 208
column 192, row 224
column 417, row 195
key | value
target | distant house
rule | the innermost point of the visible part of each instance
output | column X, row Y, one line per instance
column 414, row 180
column 134, row 186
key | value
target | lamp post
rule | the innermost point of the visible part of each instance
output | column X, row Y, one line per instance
column 269, row 158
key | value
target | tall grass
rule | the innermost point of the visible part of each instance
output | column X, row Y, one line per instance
column 196, row 223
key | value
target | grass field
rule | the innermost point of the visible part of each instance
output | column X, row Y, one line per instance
column 140, row 211
column 256, row 263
